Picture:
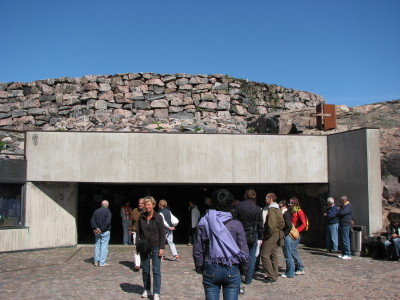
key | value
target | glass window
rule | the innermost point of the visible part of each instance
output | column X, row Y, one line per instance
column 10, row 204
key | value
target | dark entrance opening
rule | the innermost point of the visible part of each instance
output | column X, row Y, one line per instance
column 178, row 196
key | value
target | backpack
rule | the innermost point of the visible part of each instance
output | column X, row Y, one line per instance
column 307, row 223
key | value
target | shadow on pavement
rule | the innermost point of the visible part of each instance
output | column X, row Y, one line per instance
column 131, row 288
column 129, row 264
column 89, row 260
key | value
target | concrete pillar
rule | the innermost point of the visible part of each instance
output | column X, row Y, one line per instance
column 354, row 170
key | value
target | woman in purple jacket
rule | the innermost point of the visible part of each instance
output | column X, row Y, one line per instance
column 220, row 251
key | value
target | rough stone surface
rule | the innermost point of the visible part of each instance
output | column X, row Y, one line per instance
column 68, row 273
column 176, row 94
column 215, row 103
column 384, row 115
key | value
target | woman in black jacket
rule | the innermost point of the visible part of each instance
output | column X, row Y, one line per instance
column 151, row 228
column 287, row 248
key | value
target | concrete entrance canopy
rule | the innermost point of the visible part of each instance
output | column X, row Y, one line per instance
column 57, row 162
column 175, row 158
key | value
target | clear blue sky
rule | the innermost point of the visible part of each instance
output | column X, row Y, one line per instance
column 348, row 51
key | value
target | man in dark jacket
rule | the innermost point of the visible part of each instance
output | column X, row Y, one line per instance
column 333, row 225
column 250, row 215
column 345, row 216
column 101, row 225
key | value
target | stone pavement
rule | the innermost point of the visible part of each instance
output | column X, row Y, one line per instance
column 67, row 273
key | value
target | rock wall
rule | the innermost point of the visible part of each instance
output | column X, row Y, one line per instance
column 144, row 102
column 383, row 115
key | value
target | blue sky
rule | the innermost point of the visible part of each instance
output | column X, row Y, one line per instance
column 348, row 51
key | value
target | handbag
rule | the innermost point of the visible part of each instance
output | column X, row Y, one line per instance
column 143, row 246
column 294, row 233
column 174, row 220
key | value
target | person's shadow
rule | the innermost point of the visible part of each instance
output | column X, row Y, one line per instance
column 131, row 288
column 128, row 264
column 89, row 260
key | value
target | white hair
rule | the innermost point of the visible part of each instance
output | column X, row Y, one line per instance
column 330, row 200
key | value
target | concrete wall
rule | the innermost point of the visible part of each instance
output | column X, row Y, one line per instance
column 14, row 239
column 171, row 158
column 354, row 170
column 50, row 214
column 51, row 211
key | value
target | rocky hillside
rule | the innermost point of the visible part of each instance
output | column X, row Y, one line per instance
column 384, row 115
column 144, row 102
column 148, row 102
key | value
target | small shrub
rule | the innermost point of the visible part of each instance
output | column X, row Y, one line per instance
column 251, row 130
column 2, row 145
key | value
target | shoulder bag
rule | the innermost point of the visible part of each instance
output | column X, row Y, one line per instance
column 294, row 233
column 143, row 246
column 174, row 220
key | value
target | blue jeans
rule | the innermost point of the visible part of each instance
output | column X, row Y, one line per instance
column 395, row 243
column 217, row 276
column 332, row 237
column 298, row 264
column 345, row 235
column 287, row 252
column 252, row 262
column 101, row 247
column 145, row 258
column 125, row 225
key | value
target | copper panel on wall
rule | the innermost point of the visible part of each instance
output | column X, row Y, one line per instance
column 329, row 116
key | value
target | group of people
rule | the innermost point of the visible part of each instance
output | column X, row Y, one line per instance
column 232, row 239
column 229, row 241
column 340, row 220
column 148, row 226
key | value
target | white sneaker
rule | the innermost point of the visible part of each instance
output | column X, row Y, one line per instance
column 340, row 256
column 146, row 293
column 156, row 297
column 346, row 257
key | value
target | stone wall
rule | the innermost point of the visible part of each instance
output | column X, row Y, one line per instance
column 144, row 102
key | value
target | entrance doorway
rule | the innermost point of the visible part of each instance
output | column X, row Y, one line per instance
column 90, row 196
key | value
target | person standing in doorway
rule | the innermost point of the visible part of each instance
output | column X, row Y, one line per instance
column 250, row 215
column 101, row 225
column 151, row 228
column 126, row 215
column 169, row 228
column 345, row 216
column 194, row 220
column 287, row 247
column 300, row 222
column 333, row 226
column 135, row 219
column 274, row 223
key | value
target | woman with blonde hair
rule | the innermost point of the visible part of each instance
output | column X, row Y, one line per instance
column 151, row 228
column 300, row 222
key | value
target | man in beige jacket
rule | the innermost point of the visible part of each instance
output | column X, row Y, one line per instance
column 274, row 224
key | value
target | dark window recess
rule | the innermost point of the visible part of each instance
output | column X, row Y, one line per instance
column 10, row 205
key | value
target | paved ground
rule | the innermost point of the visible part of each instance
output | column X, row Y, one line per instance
column 67, row 273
